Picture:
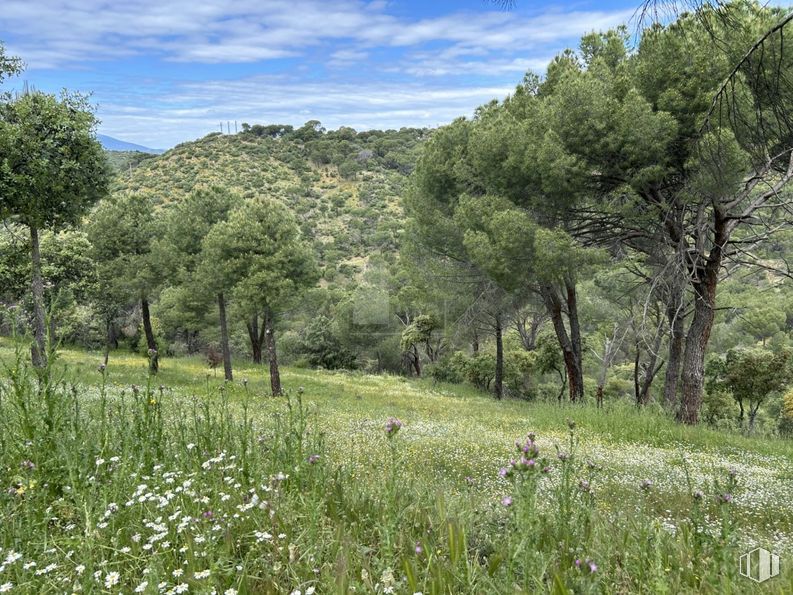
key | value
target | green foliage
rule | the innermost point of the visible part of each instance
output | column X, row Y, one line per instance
column 322, row 348
column 52, row 168
column 259, row 256
column 750, row 376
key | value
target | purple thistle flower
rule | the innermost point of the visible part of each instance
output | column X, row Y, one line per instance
column 726, row 498
column 392, row 426
column 506, row 501
column 698, row 495
column 578, row 563
column 208, row 514
column 584, row 486
column 546, row 469
column 312, row 459
column 592, row 566
column 563, row 456
column 503, row 472
column 419, row 549
column 646, row 484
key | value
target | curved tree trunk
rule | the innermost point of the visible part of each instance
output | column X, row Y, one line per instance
column 499, row 377
column 151, row 342
column 269, row 333
column 224, row 338
column 38, row 351
column 570, row 353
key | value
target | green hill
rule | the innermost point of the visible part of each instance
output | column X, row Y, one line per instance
column 345, row 186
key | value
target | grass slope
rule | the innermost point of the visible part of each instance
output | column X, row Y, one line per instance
column 453, row 432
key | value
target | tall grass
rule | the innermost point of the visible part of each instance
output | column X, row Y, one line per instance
column 148, row 490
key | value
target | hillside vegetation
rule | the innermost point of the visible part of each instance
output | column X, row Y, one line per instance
column 344, row 186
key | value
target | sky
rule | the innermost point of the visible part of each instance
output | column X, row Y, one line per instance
column 163, row 72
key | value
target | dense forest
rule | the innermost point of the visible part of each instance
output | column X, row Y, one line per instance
column 610, row 231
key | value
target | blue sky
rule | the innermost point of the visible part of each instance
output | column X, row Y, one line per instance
column 166, row 71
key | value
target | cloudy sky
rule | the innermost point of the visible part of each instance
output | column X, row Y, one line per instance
column 166, row 71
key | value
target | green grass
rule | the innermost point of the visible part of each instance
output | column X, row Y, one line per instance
column 355, row 518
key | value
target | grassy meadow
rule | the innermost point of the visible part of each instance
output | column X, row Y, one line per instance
column 113, row 482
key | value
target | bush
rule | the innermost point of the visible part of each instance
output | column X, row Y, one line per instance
column 450, row 368
column 322, row 349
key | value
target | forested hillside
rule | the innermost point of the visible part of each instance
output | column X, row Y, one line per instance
column 345, row 186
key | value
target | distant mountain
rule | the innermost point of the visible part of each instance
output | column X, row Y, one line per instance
column 113, row 144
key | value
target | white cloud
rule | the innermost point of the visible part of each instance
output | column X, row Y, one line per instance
column 54, row 32
column 344, row 62
column 270, row 99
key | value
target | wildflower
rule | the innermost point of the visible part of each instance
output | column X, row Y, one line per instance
column 698, row 495
column 190, row 446
column 230, row 592
column 312, row 459
column 100, row 462
column 546, row 469
column 177, row 573
column 469, row 480
column 584, row 486
column 506, row 501
column 419, row 549
column 101, row 368
column 310, row 591
column 646, row 484
column 27, row 465
column 12, row 557
column 503, row 472
column 562, row 456
column 180, row 588
column 80, row 568
column 111, row 579
column 392, row 426
column 726, row 498
column 6, row 587
column 141, row 587
column 202, row 574
column 570, row 423
column 592, row 566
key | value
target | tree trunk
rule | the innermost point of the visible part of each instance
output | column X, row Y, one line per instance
column 475, row 344
column 38, row 351
column 636, row 366
column 693, row 377
column 269, row 333
column 675, row 315
column 224, row 338
column 571, row 355
column 416, row 360
column 151, row 342
column 575, row 339
column 109, row 338
column 499, row 378
column 256, row 337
